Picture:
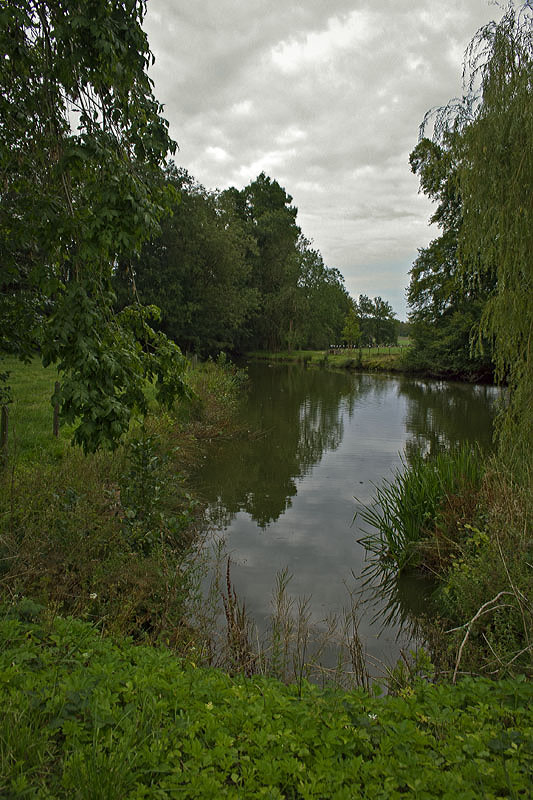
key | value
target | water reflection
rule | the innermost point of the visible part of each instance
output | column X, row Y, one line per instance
column 285, row 496
column 442, row 414
column 294, row 415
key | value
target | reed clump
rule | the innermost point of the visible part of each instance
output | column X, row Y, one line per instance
column 467, row 522
column 408, row 509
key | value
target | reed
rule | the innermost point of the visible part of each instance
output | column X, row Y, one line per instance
column 406, row 510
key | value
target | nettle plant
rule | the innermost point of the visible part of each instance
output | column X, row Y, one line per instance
column 82, row 146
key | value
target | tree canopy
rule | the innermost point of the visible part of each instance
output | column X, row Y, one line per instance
column 82, row 143
column 445, row 307
column 231, row 270
column 493, row 128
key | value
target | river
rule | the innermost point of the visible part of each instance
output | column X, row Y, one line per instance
column 285, row 497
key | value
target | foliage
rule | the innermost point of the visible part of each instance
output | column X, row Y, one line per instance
column 445, row 308
column 231, row 270
column 81, row 148
column 486, row 566
column 195, row 269
column 494, row 126
column 83, row 714
column 376, row 321
column 406, row 510
column 351, row 332
column 108, row 536
column 149, row 521
column 107, row 362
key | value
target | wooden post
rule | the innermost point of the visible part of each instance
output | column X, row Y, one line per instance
column 56, row 412
column 4, row 431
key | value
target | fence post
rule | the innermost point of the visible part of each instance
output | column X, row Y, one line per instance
column 4, row 431
column 56, row 411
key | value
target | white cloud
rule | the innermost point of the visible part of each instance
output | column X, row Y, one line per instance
column 324, row 97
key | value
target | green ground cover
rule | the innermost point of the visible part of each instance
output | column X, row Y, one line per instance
column 382, row 359
column 83, row 716
column 110, row 536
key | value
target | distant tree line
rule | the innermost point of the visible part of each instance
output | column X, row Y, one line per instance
column 231, row 270
column 370, row 322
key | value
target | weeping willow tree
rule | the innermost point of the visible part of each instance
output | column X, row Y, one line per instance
column 494, row 121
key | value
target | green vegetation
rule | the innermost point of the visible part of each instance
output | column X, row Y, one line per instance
column 110, row 536
column 411, row 505
column 90, row 220
column 471, row 288
column 467, row 524
column 231, row 270
column 372, row 359
column 82, row 145
column 87, row 717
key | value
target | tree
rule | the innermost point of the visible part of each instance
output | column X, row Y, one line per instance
column 365, row 309
column 195, row 269
column 376, row 321
column 270, row 219
column 82, row 142
column 323, row 300
column 384, row 327
column 351, row 332
column 495, row 121
column 445, row 309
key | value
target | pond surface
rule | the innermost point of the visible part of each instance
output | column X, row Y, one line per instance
column 286, row 497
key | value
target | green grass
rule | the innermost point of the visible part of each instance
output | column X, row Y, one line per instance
column 379, row 359
column 468, row 524
column 406, row 509
column 112, row 535
column 31, row 435
column 82, row 716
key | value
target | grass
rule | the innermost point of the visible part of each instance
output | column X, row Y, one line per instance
column 31, row 435
column 112, row 536
column 84, row 716
column 378, row 359
column 407, row 508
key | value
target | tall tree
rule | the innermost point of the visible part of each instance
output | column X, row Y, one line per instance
column 495, row 179
column 270, row 219
column 324, row 301
column 376, row 321
column 82, row 142
column 445, row 307
column 195, row 269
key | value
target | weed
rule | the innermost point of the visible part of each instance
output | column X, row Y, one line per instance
column 104, row 719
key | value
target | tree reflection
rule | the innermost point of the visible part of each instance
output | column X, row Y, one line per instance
column 442, row 414
column 294, row 415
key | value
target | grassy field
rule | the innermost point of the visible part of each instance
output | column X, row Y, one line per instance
column 31, row 413
column 379, row 359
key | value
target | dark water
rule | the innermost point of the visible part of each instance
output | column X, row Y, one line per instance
column 286, row 498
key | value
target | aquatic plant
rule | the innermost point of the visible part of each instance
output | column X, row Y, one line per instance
column 406, row 509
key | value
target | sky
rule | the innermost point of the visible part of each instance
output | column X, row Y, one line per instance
column 324, row 96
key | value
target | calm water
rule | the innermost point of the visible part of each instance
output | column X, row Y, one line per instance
column 287, row 498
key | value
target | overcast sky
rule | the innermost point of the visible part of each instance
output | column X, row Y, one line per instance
column 325, row 96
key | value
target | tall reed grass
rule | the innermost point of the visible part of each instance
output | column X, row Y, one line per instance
column 406, row 510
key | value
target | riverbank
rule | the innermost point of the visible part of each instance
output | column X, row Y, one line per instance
column 377, row 359
column 392, row 360
column 96, row 547
column 111, row 537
